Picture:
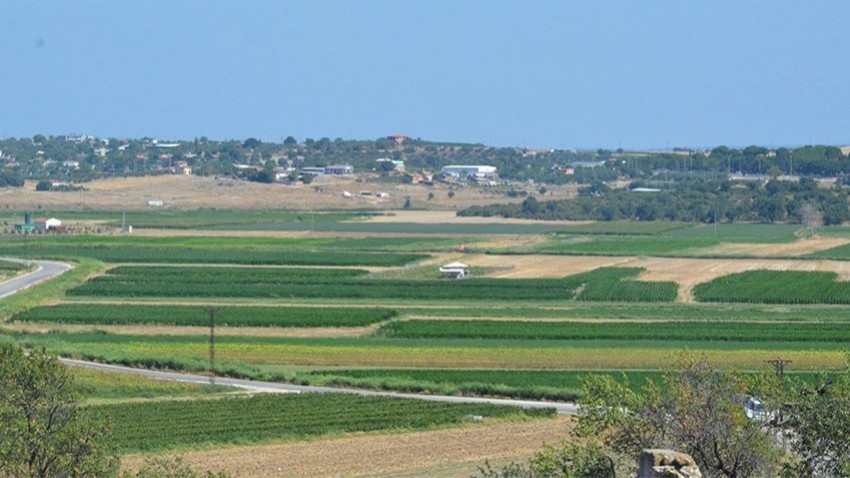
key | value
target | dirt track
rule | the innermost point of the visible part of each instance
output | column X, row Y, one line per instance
column 452, row 452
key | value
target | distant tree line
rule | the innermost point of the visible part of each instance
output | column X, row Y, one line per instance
column 690, row 201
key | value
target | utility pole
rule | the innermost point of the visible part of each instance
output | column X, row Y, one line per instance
column 212, row 312
column 779, row 364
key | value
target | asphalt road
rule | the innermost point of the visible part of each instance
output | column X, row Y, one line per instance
column 50, row 269
column 45, row 270
column 258, row 386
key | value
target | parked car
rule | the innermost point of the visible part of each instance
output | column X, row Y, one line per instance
column 754, row 410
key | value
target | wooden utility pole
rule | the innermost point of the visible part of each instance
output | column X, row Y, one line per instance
column 779, row 364
column 212, row 311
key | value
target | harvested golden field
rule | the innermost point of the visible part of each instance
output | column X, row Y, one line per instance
column 192, row 192
column 796, row 248
column 687, row 272
column 446, row 453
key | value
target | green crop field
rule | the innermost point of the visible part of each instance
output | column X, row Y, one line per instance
column 159, row 426
column 271, row 357
column 657, row 331
column 123, row 314
column 756, row 233
column 398, row 328
column 841, row 253
column 563, row 385
column 624, row 228
column 623, row 245
column 198, row 218
column 209, row 255
column 608, row 284
column 776, row 287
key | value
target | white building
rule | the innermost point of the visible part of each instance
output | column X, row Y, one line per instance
column 477, row 172
column 71, row 164
column 397, row 163
column 455, row 270
column 339, row 170
column 44, row 223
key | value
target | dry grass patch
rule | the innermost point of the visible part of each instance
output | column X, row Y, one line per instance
column 192, row 192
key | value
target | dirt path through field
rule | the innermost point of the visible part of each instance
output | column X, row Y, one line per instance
column 447, row 453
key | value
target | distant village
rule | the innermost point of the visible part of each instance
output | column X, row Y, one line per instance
column 66, row 162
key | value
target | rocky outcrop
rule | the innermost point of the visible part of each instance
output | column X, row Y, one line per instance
column 667, row 464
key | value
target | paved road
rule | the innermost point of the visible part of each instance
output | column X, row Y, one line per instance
column 45, row 270
column 49, row 269
column 562, row 408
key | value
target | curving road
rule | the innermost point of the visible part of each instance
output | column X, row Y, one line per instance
column 50, row 269
column 45, row 270
column 275, row 387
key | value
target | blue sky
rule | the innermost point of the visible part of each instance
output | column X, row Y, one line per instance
column 587, row 74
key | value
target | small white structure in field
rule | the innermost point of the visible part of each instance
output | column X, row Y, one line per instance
column 155, row 202
column 455, row 270
column 45, row 223
column 346, row 194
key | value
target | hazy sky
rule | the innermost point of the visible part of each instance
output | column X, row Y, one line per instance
column 529, row 73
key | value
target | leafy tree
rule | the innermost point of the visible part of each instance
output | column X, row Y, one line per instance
column 251, row 143
column 430, row 196
column 408, row 204
column 44, row 186
column 451, row 194
column 289, row 141
column 697, row 409
column 44, row 432
column 819, row 421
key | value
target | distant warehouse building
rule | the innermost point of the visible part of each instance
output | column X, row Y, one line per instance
column 477, row 172
column 339, row 169
column 332, row 170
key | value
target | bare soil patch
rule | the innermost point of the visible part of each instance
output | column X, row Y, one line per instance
column 537, row 266
column 454, row 452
